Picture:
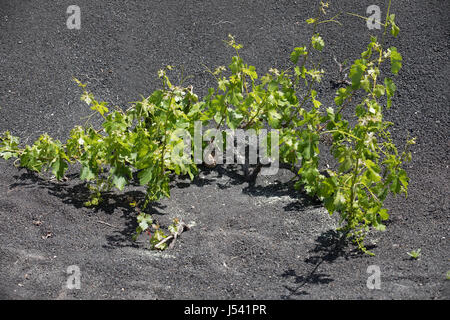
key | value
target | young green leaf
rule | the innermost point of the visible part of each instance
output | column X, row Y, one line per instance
column 144, row 220
column 396, row 60
column 356, row 72
column 295, row 55
column 394, row 28
column 317, row 42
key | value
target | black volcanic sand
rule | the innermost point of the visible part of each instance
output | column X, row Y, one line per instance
column 262, row 241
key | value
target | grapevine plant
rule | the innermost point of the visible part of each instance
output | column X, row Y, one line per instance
column 142, row 139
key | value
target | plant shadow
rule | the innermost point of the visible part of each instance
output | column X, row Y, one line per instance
column 329, row 246
column 279, row 186
column 76, row 194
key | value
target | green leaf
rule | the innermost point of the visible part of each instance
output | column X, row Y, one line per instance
column 6, row 154
column 330, row 114
column 383, row 214
column 309, row 144
column 403, row 178
column 250, row 71
column 87, row 97
column 339, row 199
column 222, row 84
column 144, row 220
column 234, row 118
column 390, row 87
column 380, row 227
column 390, row 90
column 373, row 170
column 346, row 164
column 100, row 107
column 233, row 98
column 365, row 84
column 174, row 227
column 379, row 90
column 145, row 176
column 316, row 103
column 157, row 237
column 59, row 167
column 272, row 86
column 115, row 121
column 295, row 55
column 342, row 95
column 373, row 107
column 394, row 28
column 119, row 182
column 356, row 72
column 396, row 60
column 235, row 65
column 360, row 111
column 79, row 82
column 218, row 117
column 317, row 42
column 273, row 117
column 395, row 186
column 303, row 72
column 120, row 175
column 329, row 204
column 86, row 173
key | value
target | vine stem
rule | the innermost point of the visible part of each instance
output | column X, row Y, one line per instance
column 305, row 59
column 352, row 189
column 252, row 119
column 342, row 132
column 13, row 151
column 305, row 98
column 382, row 44
column 349, row 99
column 165, row 138
column 310, row 43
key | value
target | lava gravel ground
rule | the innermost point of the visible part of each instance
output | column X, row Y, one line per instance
column 264, row 241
